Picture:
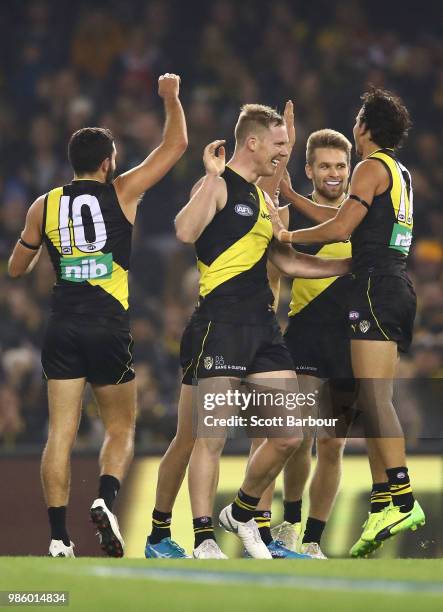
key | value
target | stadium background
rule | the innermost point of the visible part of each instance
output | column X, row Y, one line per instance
column 65, row 65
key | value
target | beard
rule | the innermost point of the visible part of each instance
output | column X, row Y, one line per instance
column 328, row 195
column 109, row 175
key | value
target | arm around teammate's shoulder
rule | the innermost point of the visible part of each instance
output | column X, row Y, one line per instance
column 131, row 185
column 369, row 179
column 208, row 196
column 27, row 250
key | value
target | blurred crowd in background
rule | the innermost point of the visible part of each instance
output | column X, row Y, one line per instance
column 66, row 65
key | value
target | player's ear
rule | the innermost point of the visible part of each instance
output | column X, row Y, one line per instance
column 308, row 171
column 251, row 143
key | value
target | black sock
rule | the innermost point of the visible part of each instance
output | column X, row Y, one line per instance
column 292, row 511
column 108, row 489
column 380, row 496
column 203, row 530
column 57, row 521
column 161, row 526
column 400, row 488
column 243, row 506
column 263, row 520
column 314, row 530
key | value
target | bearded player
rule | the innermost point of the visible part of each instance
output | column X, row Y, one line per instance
column 87, row 228
column 317, row 338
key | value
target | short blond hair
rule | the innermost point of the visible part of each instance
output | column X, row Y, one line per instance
column 253, row 116
column 327, row 139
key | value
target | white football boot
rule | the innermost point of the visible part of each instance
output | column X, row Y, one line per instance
column 111, row 540
column 247, row 532
column 58, row 549
column 208, row 549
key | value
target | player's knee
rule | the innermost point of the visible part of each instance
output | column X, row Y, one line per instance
column 331, row 449
column 124, row 435
column 61, row 440
column 182, row 444
column 305, row 446
column 211, row 446
column 285, row 446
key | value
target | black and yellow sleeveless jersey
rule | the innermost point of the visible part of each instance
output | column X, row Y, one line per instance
column 232, row 251
column 89, row 243
column 382, row 240
column 319, row 299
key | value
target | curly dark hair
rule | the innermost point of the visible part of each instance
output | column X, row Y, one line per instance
column 386, row 117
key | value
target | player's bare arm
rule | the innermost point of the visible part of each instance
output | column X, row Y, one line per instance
column 131, row 185
column 312, row 210
column 274, row 273
column 208, row 196
column 294, row 264
column 270, row 184
column 27, row 250
column 368, row 180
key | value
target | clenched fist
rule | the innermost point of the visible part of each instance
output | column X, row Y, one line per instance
column 168, row 85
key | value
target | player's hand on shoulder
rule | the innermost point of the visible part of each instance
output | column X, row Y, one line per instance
column 214, row 158
column 168, row 85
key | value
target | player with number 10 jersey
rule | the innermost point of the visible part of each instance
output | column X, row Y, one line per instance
column 89, row 242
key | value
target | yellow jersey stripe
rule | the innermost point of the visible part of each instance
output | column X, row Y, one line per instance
column 240, row 256
column 398, row 189
column 305, row 290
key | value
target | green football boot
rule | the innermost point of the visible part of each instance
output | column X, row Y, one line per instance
column 367, row 543
column 394, row 521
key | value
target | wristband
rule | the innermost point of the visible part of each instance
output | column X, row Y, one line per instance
column 27, row 245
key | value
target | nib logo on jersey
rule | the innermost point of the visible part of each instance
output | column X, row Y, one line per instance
column 82, row 269
column 401, row 238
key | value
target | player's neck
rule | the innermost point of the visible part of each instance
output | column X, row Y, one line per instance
column 243, row 168
column 97, row 176
column 319, row 199
column 369, row 148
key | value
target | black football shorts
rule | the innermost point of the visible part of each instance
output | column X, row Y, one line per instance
column 210, row 348
column 96, row 348
column 383, row 308
column 319, row 348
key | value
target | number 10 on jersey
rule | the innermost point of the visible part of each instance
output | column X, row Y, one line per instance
column 77, row 238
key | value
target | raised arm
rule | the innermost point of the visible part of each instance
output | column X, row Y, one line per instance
column 369, row 179
column 294, row 264
column 131, row 185
column 27, row 250
column 208, row 196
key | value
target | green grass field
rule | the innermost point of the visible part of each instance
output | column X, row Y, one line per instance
column 131, row 585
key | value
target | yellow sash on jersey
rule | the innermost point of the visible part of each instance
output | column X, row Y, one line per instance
column 240, row 256
column 399, row 194
column 305, row 290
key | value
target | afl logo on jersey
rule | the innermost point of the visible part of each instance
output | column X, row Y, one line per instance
column 244, row 210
